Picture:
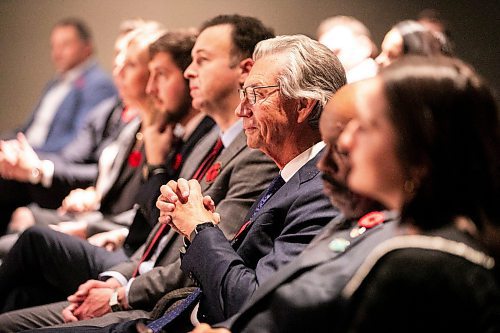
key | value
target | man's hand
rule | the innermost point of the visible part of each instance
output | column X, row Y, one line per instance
column 80, row 200
column 67, row 313
column 22, row 219
column 171, row 193
column 73, row 228
column 182, row 205
column 110, row 240
column 96, row 304
column 205, row 328
column 9, row 151
column 158, row 138
column 24, row 163
column 85, row 288
column 92, row 300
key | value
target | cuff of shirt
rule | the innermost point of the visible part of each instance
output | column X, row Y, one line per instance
column 127, row 291
column 112, row 274
column 47, row 168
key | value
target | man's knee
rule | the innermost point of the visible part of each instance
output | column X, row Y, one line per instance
column 31, row 318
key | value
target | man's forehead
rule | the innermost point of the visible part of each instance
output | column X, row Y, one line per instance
column 265, row 70
column 349, row 98
column 160, row 59
column 213, row 40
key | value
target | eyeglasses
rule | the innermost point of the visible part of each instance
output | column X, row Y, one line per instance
column 251, row 95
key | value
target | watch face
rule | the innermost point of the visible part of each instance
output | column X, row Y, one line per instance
column 113, row 302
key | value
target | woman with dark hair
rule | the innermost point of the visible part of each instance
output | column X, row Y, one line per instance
column 410, row 37
column 425, row 144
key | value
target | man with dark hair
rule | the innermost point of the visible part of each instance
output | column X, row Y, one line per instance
column 80, row 96
column 78, row 87
column 281, row 102
column 81, row 28
column 174, row 111
column 231, row 173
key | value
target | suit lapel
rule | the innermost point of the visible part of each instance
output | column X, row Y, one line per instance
column 304, row 174
column 198, row 153
column 227, row 154
column 125, row 140
column 312, row 256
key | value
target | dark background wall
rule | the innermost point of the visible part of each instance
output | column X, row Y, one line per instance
column 25, row 27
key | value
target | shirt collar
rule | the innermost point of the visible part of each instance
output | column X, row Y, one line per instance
column 300, row 160
column 185, row 132
column 77, row 71
column 232, row 132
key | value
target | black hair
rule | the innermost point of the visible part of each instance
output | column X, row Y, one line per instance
column 178, row 44
column 247, row 32
column 447, row 122
column 80, row 26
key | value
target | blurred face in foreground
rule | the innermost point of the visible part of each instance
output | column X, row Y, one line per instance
column 370, row 141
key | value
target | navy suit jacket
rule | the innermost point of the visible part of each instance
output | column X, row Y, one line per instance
column 76, row 165
column 87, row 91
column 303, row 295
column 279, row 232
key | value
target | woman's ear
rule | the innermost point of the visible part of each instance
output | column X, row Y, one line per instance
column 305, row 108
column 245, row 66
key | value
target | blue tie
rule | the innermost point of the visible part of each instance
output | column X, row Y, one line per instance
column 273, row 188
column 275, row 185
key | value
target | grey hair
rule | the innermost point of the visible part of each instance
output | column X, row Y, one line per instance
column 312, row 71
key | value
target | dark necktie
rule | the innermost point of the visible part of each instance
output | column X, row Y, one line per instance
column 275, row 185
column 209, row 160
column 158, row 324
column 198, row 175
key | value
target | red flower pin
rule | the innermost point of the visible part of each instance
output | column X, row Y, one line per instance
column 135, row 158
column 213, row 172
column 371, row 220
column 176, row 163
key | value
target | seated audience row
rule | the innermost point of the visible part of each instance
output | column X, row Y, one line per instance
column 284, row 260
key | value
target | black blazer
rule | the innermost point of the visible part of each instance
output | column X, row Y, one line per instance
column 147, row 215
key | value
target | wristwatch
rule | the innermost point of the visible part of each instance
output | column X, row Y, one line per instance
column 197, row 229
column 114, row 303
column 149, row 170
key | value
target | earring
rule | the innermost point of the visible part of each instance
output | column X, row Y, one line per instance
column 409, row 186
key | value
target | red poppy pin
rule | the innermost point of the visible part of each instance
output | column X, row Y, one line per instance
column 135, row 158
column 176, row 164
column 213, row 172
column 371, row 220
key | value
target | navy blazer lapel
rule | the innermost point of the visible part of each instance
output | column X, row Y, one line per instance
column 304, row 174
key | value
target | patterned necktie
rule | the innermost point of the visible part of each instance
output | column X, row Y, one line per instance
column 275, row 185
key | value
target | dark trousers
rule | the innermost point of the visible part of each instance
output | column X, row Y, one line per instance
column 47, row 266
column 15, row 194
